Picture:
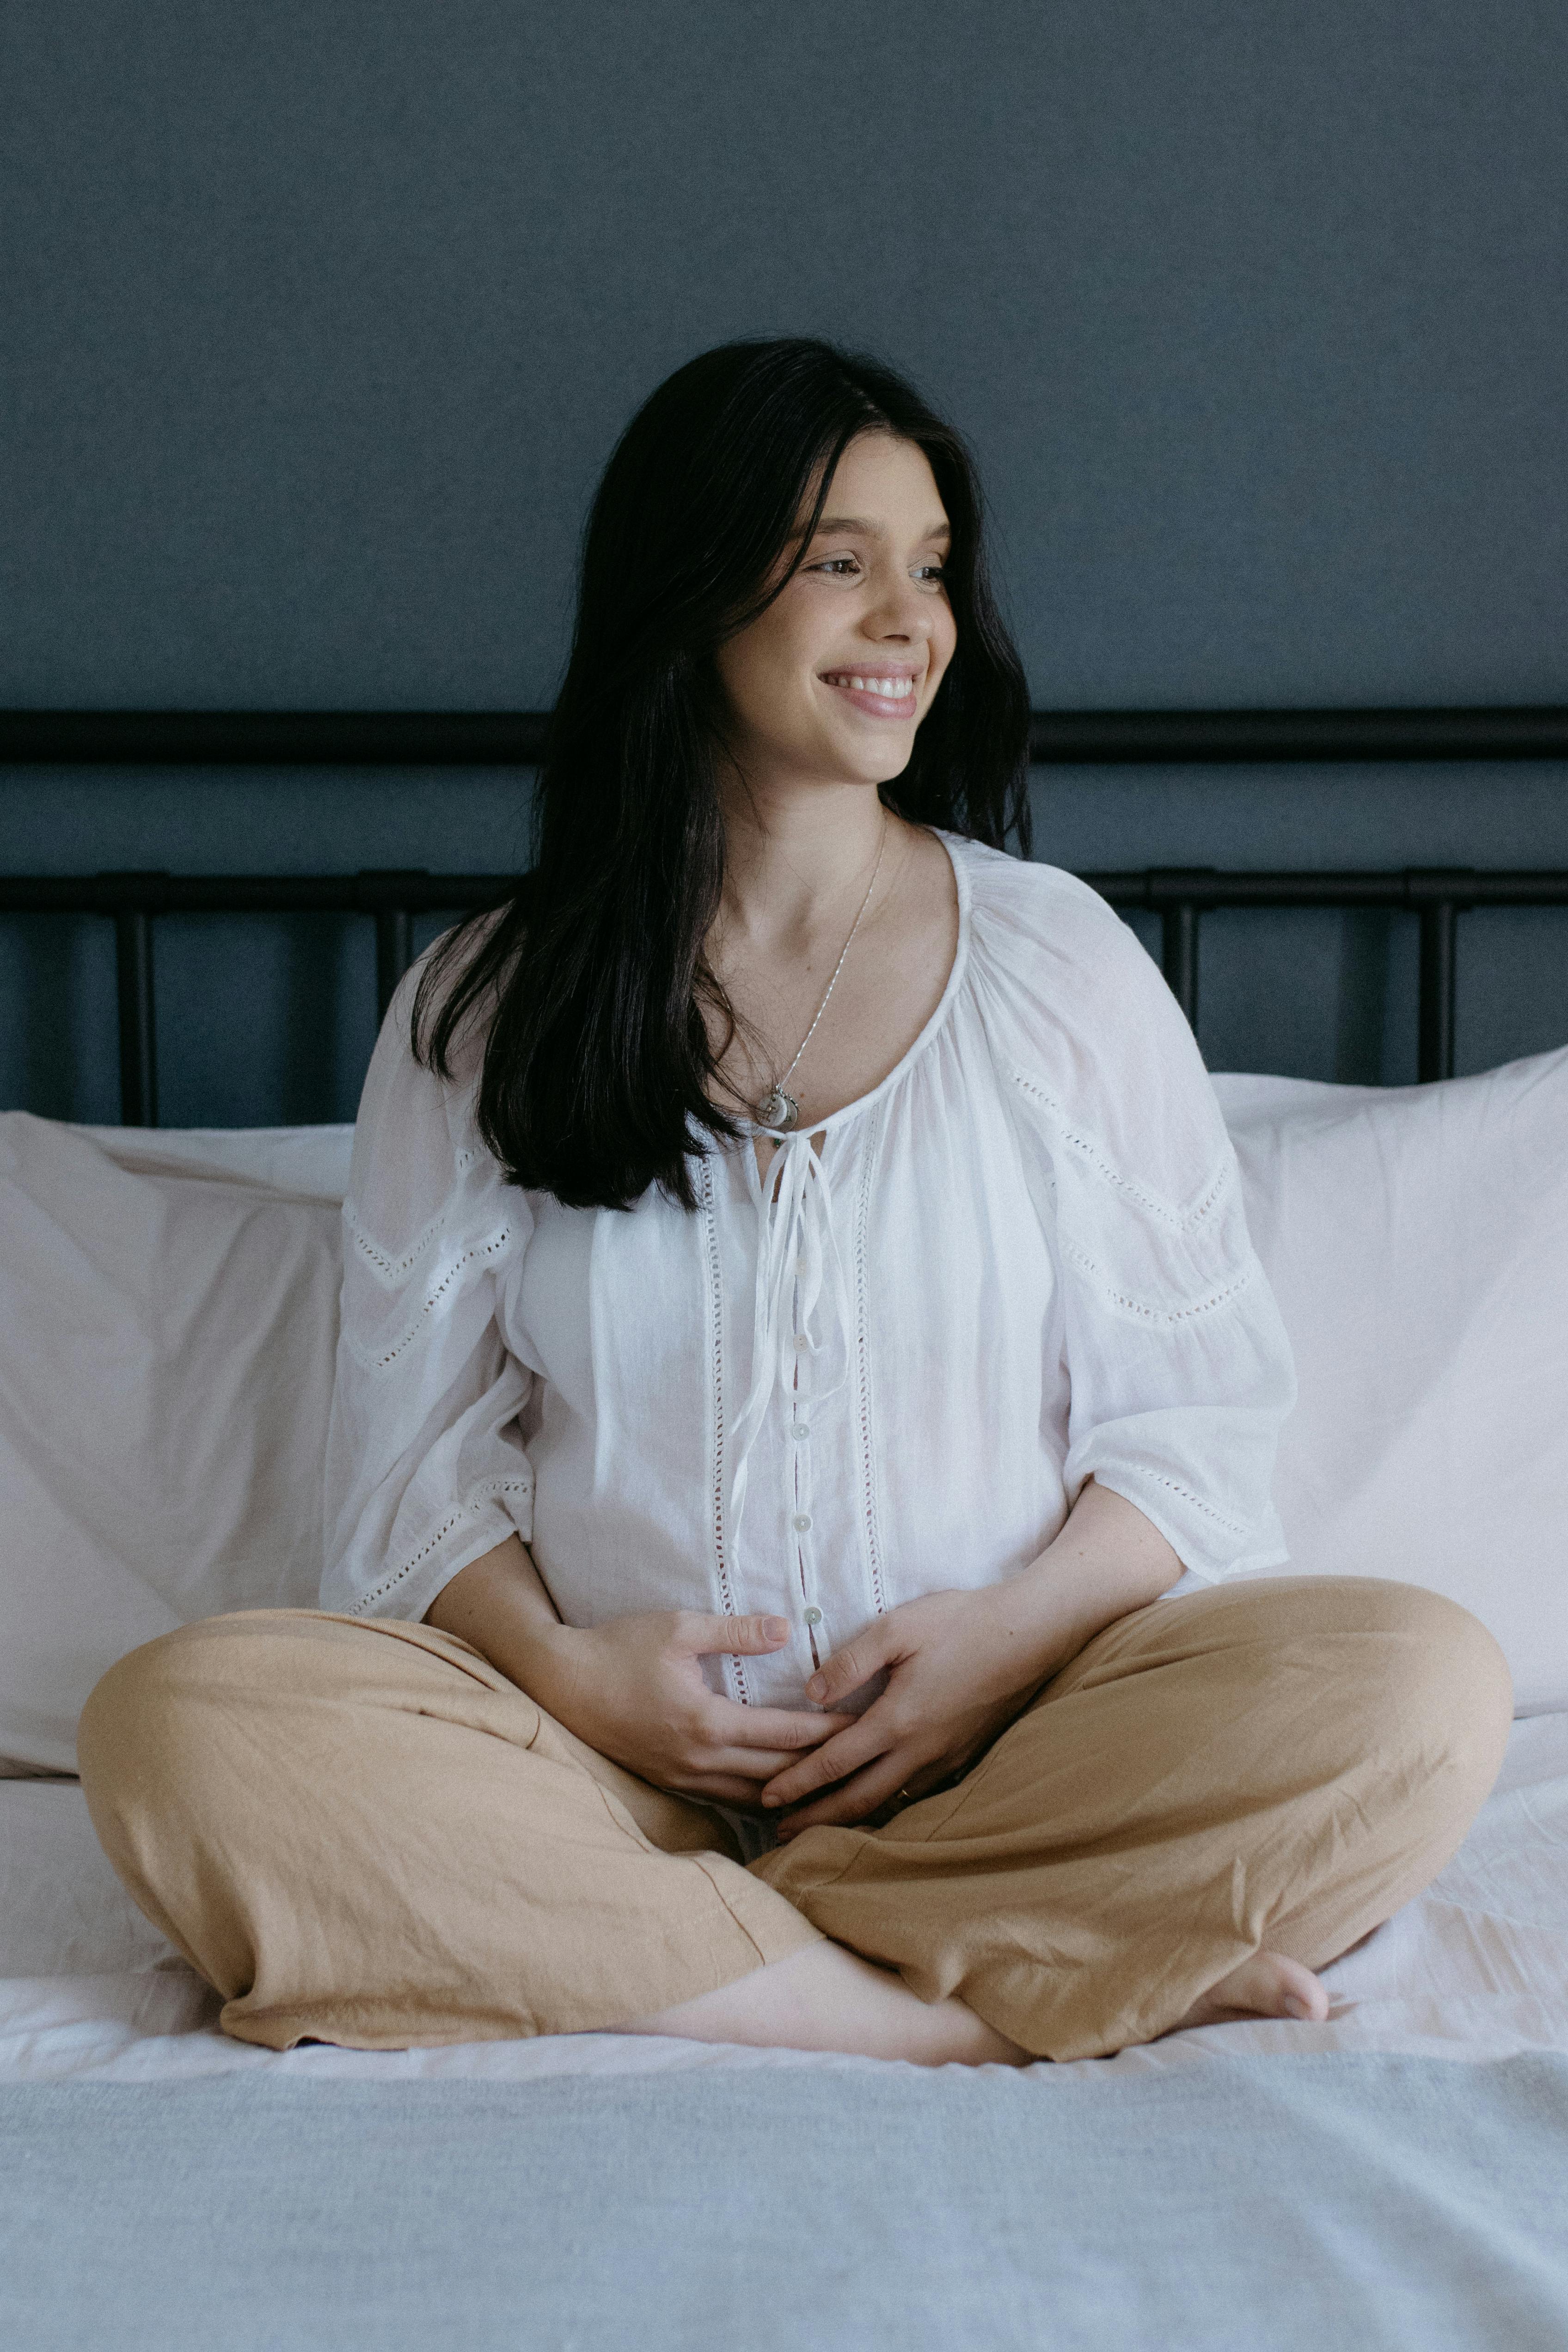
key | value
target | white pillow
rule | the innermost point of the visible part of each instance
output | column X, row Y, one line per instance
column 168, row 1317
column 167, row 1330
column 1417, row 1242
column 313, row 1161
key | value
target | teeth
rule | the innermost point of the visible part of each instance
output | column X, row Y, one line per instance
column 891, row 690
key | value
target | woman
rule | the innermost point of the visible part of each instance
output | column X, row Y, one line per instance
column 798, row 1320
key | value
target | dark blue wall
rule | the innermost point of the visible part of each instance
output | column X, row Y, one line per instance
column 318, row 323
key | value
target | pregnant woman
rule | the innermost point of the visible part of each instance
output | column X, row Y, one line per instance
column 798, row 1322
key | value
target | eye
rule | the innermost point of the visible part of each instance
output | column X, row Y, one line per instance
column 841, row 567
column 933, row 573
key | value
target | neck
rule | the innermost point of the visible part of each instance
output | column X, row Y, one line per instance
column 793, row 861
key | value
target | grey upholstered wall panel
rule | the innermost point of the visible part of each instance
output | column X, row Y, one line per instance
column 320, row 321
column 317, row 321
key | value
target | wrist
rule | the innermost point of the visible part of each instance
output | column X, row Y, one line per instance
column 1106, row 1561
column 543, row 1658
column 1034, row 1630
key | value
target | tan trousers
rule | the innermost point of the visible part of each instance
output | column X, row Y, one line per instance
column 364, row 1834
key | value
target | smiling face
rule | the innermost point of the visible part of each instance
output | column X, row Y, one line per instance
column 830, row 683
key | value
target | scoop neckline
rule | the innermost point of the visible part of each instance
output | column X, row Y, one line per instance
column 954, row 843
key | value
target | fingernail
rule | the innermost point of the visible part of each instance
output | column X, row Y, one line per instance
column 771, row 1801
column 815, row 1687
column 776, row 1629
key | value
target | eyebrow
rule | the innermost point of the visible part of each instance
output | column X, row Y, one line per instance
column 868, row 529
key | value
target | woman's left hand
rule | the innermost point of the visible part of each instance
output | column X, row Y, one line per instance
column 959, row 1666
column 962, row 1666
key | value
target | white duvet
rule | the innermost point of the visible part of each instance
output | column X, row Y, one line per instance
column 1476, row 1967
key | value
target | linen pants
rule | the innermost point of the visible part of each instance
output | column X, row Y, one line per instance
column 364, row 1834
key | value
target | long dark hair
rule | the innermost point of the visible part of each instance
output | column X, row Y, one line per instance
column 591, row 980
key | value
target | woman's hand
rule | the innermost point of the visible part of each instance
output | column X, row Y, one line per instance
column 633, row 1690
column 962, row 1666
column 959, row 1666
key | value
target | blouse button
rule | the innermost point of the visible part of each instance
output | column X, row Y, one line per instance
column 801, row 1340
column 813, row 1616
column 800, row 1428
column 801, row 1522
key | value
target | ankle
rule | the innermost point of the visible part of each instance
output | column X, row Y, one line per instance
column 828, row 1998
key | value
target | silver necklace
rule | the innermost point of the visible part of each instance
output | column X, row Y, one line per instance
column 778, row 1108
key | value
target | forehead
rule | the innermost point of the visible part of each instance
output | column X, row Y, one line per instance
column 880, row 479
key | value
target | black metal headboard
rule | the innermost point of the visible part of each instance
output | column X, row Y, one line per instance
column 1179, row 896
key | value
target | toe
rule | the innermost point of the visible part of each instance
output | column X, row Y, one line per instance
column 1299, row 1993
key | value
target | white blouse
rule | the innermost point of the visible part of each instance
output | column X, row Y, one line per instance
column 889, row 1369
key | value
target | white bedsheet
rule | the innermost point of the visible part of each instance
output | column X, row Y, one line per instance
column 1476, row 1967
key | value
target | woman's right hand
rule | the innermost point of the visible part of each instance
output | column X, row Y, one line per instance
column 634, row 1688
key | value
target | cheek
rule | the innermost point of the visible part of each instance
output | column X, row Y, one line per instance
column 765, row 674
column 746, row 675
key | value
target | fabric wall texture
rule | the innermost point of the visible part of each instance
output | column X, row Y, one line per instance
column 319, row 324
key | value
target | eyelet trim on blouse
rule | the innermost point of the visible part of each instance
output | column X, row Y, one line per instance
column 1153, row 1204
column 871, row 1138
column 1186, row 1495
column 391, row 1271
column 381, row 1360
column 1140, row 1309
column 734, row 1665
column 488, row 1492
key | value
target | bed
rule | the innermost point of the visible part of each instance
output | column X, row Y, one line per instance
column 1395, row 2176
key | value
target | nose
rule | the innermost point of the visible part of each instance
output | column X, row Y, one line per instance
column 900, row 614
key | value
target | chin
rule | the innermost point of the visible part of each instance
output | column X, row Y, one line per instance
column 874, row 763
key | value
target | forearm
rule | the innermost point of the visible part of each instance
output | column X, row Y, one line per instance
column 1108, row 1560
column 499, row 1606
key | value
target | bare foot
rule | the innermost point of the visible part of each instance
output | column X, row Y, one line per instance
column 825, row 1998
column 1266, row 1985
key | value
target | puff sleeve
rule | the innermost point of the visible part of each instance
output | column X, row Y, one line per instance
column 1179, row 1369
column 426, row 1468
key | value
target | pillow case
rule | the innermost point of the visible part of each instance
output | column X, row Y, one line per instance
column 309, row 1160
column 168, row 1323
column 1416, row 1238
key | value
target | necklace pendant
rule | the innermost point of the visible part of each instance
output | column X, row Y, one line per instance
column 778, row 1109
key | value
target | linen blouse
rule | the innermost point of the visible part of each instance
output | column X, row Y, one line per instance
column 885, row 1370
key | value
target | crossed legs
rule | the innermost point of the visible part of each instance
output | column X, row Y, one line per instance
column 364, row 1834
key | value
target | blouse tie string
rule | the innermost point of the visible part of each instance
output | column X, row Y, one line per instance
column 796, row 1246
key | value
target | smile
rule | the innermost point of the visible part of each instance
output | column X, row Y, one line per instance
column 880, row 695
column 892, row 690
